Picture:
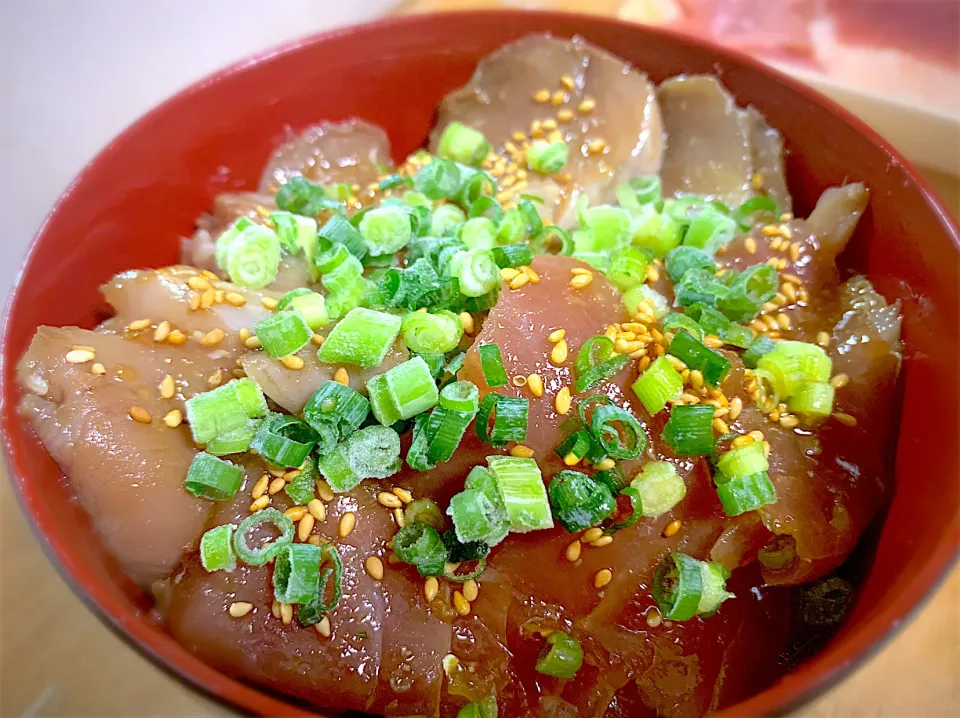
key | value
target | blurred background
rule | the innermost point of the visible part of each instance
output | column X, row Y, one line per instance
column 76, row 72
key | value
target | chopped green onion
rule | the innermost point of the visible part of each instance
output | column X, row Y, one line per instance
column 476, row 271
column 812, row 399
column 606, row 228
column 748, row 292
column 311, row 305
column 596, row 351
column 240, row 225
column 699, row 286
column 339, row 231
column 737, row 496
column 411, row 387
column 547, row 157
column 438, row 437
column 487, row 708
column 334, row 258
column 681, row 259
column 752, row 206
column 283, row 440
column 445, row 219
column 421, row 545
column 296, row 573
column 561, row 656
column 577, row 443
column 301, row 196
column 491, row 362
column 598, row 373
column 486, row 207
column 252, row 258
column 474, row 184
column 263, row 554
column 460, row 396
column 743, row 461
column 303, row 487
column 792, row 364
column 427, row 333
column 216, row 549
column 689, row 432
column 657, row 232
column 211, row 478
column 658, row 385
column 463, row 144
column 283, row 333
column 628, row 268
column 295, row 232
column 512, row 227
column 233, row 442
column 312, row 612
column 440, row 179
column 534, row 224
column 644, row 293
column 710, row 230
column 370, row 453
column 480, row 479
column 337, row 407
column 515, row 255
column 760, row 346
column 436, row 362
column 381, row 403
column 714, row 588
column 523, row 493
column 386, row 230
column 363, row 338
column 660, row 488
column 552, row 240
column 424, row 511
column 613, row 478
column 639, row 192
column 479, row 233
column 391, row 181
column 674, row 322
column 579, row 502
column 510, row 421
column 477, row 518
column 603, row 427
column 678, row 587
column 697, row 356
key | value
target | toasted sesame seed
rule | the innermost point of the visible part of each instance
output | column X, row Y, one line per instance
column 535, row 384
column 519, row 380
column 276, row 486
column 317, row 509
column 295, row 513
column 580, row 270
column 654, row 617
column 374, row 568
column 591, row 535
column 750, row 244
column 323, row 488
column 198, row 283
column 567, row 82
column 341, row 376
column 318, row 340
column 389, row 499
column 581, row 280
column 721, row 426
column 305, row 527
column 259, row 504
column 213, row 337
column 839, row 381
column 347, row 523
column 789, row 422
column 565, row 115
column 596, row 146
column 574, row 548
column 652, row 276
column 736, row 406
column 844, row 418
column 605, row 464
column 557, row 334
column 471, row 590
column 275, row 609
column 542, row 95
column 238, row 609
column 586, row 106
column 571, row 459
column 469, row 325
column 461, row 604
column 323, row 627
column 235, row 298
column 399, row 518
column 80, row 356
column 509, row 273
column 562, row 401
column 672, row 528
column 518, row 136
column 139, row 414
column 292, row 362
column 289, row 476
column 403, row 494
column 269, row 303
column 286, row 613
column 167, row 387
column 823, row 339
column 98, row 368
column 431, row 587
column 602, row 541
column 173, row 419
column 783, row 320
column 207, row 299
column 138, row 324
column 558, row 355
column 215, row 379
column 260, row 488
column 602, row 578
column 558, row 98
column 521, row 280
column 741, row 441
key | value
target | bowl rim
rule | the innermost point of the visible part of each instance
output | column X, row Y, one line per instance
column 796, row 688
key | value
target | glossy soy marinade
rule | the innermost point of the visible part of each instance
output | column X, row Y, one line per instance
column 401, row 644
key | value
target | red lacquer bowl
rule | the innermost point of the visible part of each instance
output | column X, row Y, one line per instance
column 131, row 204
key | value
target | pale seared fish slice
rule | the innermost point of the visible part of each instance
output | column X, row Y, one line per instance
column 127, row 474
column 353, row 151
column 708, row 141
column 292, row 388
column 767, row 155
column 621, row 112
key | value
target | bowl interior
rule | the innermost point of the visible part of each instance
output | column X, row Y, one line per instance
column 132, row 203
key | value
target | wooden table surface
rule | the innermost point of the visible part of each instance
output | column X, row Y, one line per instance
column 57, row 659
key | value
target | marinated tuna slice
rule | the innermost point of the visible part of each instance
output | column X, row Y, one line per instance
column 353, row 151
column 291, row 388
column 339, row 671
column 106, row 431
column 164, row 295
column 766, row 154
column 602, row 108
column 520, row 325
column 708, row 140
